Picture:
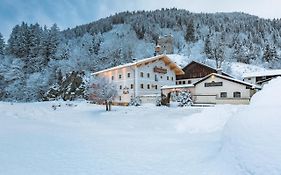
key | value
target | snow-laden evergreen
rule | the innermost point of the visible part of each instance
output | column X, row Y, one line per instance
column 184, row 98
column 37, row 52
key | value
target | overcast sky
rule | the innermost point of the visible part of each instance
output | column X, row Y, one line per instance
column 69, row 13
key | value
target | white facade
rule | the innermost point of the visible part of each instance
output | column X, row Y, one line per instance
column 143, row 78
column 216, row 89
column 187, row 81
column 219, row 89
column 261, row 78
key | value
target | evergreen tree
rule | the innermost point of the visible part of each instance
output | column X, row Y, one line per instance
column 2, row 45
column 35, row 37
column 50, row 42
column 190, row 32
column 24, row 41
column 270, row 54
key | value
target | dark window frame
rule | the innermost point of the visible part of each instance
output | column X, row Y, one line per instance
column 236, row 94
column 223, row 94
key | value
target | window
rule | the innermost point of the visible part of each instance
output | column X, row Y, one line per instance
column 120, row 98
column 176, row 83
column 183, row 82
column 161, row 76
column 237, row 94
column 223, row 95
column 132, row 86
column 141, row 74
column 168, row 78
column 156, row 87
column 156, row 78
column 189, row 81
column 112, row 78
column 120, row 86
column 172, row 78
column 120, row 76
column 141, row 86
column 129, row 75
column 148, row 75
column 179, row 82
column 148, row 86
column 249, row 78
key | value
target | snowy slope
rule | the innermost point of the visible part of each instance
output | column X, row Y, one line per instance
column 81, row 138
column 252, row 137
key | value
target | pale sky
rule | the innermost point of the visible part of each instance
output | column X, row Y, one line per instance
column 69, row 13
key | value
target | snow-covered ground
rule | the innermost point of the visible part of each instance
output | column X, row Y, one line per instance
column 84, row 139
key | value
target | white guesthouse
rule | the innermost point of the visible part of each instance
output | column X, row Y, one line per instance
column 143, row 78
column 217, row 89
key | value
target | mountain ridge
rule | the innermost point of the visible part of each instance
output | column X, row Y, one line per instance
column 35, row 56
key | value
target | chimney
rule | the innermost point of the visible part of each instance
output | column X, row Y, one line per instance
column 219, row 71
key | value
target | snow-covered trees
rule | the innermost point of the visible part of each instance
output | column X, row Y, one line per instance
column 2, row 46
column 100, row 90
column 120, row 38
column 135, row 101
column 190, row 32
column 50, row 42
column 185, row 98
column 270, row 53
column 70, row 87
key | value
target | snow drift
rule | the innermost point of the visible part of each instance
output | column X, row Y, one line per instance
column 252, row 137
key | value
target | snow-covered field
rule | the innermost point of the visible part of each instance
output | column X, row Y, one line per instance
column 84, row 139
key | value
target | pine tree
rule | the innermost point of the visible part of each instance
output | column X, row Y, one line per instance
column 270, row 54
column 50, row 42
column 190, row 32
column 2, row 45
column 35, row 37
column 17, row 43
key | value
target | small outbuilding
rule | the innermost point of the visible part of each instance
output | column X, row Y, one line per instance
column 262, row 77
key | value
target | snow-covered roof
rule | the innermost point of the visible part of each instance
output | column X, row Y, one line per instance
column 177, row 86
column 165, row 58
column 263, row 73
column 230, row 79
column 220, row 69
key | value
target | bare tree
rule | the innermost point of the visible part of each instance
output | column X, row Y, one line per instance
column 101, row 91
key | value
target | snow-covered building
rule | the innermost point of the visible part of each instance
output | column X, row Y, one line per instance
column 194, row 71
column 220, row 89
column 217, row 89
column 143, row 78
column 262, row 77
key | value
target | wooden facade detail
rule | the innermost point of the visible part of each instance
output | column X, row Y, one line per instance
column 197, row 70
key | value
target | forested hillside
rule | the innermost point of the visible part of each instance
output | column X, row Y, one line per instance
column 36, row 58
